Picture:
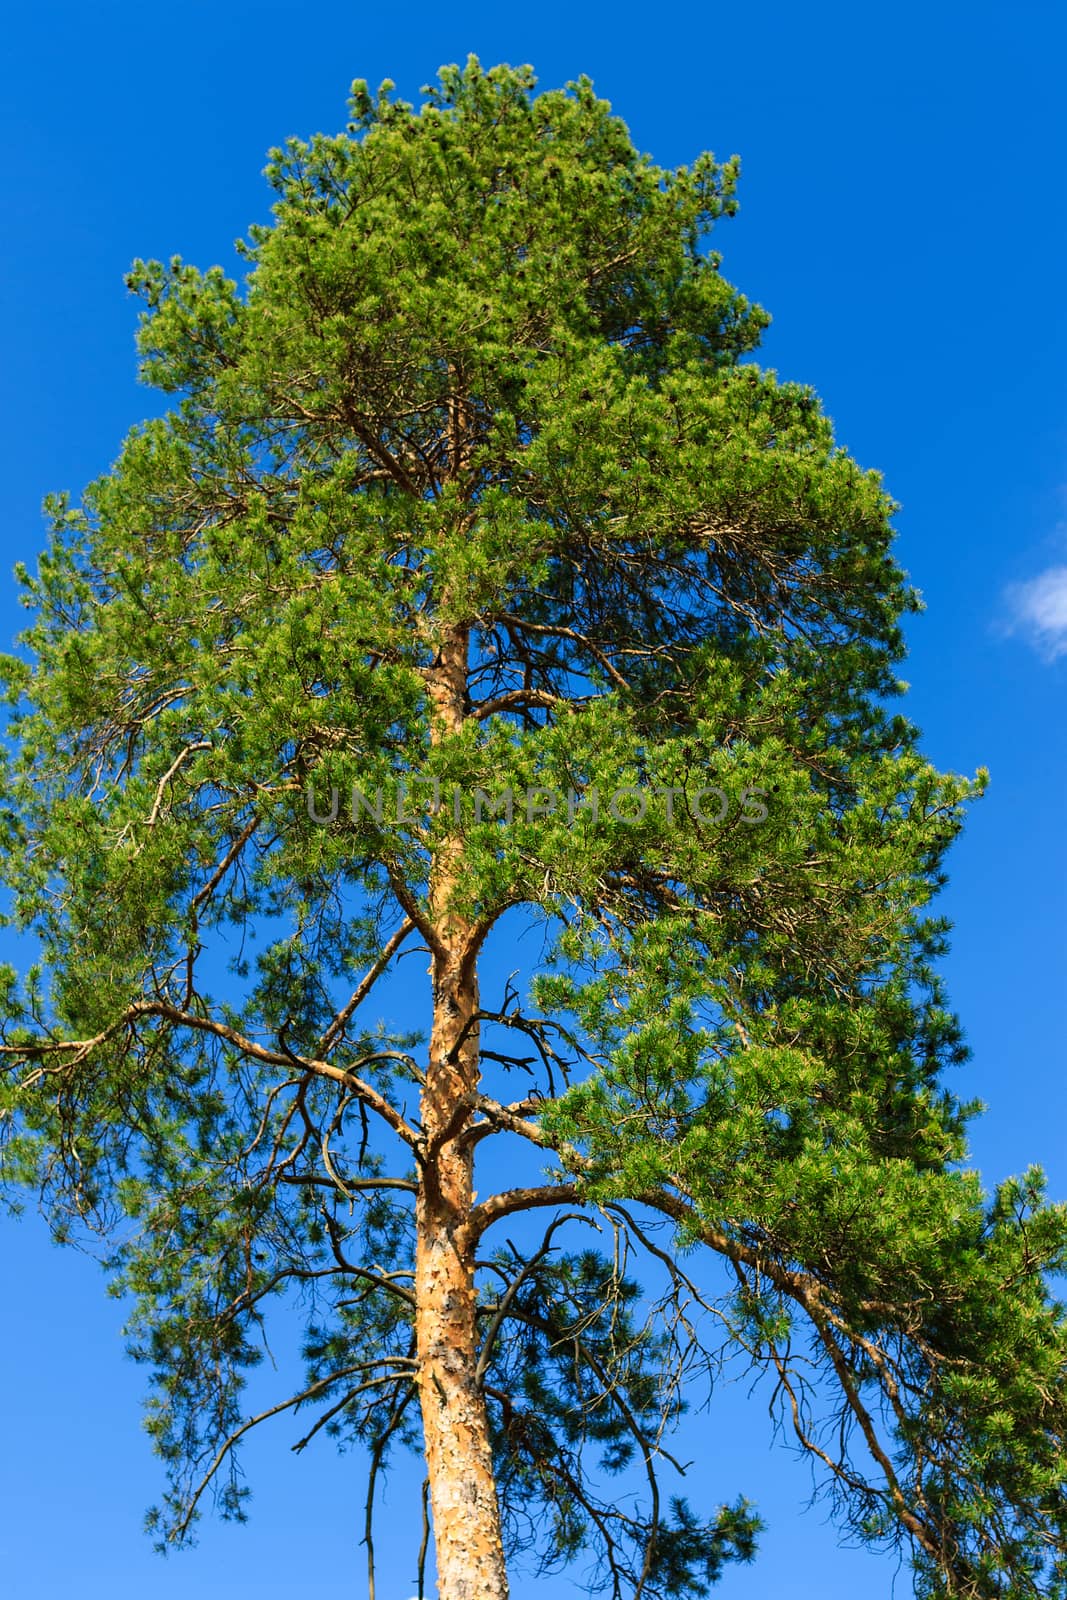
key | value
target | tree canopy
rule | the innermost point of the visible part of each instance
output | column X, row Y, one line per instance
column 478, row 573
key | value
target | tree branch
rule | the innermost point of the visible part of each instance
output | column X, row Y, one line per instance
column 511, row 1200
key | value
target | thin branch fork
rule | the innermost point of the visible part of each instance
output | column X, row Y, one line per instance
column 77, row 1050
column 161, row 789
column 366, row 984
column 513, row 1287
column 512, row 621
column 649, row 1448
column 226, row 863
column 810, row 1295
column 232, row 1439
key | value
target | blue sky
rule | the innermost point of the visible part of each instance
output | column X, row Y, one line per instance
column 903, row 218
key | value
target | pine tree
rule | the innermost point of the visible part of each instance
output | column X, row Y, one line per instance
column 478, row 572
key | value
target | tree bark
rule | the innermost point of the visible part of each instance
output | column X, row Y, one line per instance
column 466, row 1515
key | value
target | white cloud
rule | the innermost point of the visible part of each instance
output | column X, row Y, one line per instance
column 1039, row 611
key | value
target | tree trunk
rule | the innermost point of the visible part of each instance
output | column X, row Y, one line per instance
column 466, row 1518
column 466, row 1515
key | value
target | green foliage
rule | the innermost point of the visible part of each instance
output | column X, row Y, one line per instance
column 484, row 375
